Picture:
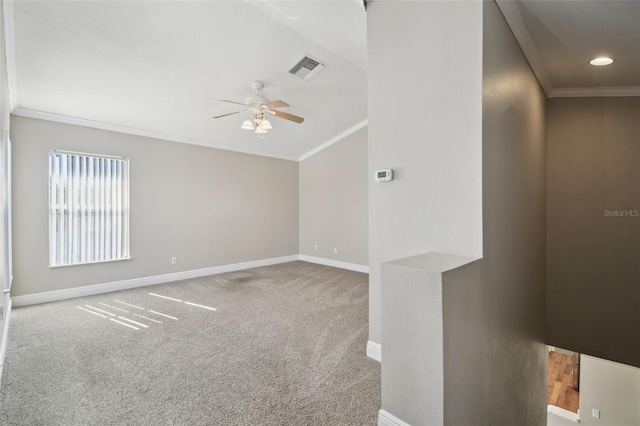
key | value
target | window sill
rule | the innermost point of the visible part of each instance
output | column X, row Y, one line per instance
column 89, row 263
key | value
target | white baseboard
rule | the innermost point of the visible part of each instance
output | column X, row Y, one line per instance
column 5, row 338
column 90, row 290
column 385, row 418
column 335, row 263
column 374, row 351
column 565, row 414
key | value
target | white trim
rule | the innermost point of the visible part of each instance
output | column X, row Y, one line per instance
column 385, row 418
column 89, row 263
column 565, row 414
column 374, row 351
column 89, row 154
column 335, row 263
column 337, row 138
column 5, row 338
column 594, row 92
column 41, row 115
column 10, row 54
column 70, row 293
column 57, row 118
column 511, row 13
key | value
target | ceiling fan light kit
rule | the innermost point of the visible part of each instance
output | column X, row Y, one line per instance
column 258, row 106
column 264, row 123
column 247, row 124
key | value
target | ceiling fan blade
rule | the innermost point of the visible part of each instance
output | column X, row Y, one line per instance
column 232, row 102
column 287, row 116
column 276, row 104
column 231, row 113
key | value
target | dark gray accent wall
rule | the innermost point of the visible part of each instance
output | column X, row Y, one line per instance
column 593, row 217
column 495, row 363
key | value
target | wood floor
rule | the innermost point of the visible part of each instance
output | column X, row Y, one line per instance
column 561, row 391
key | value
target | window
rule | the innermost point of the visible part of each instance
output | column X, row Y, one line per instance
column 88, row 208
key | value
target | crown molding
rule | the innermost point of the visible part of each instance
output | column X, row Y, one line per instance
column 48, row 116
column 511, row 13
column 41, row 115
column 10, row 53
column 594, row 92
column 337, row 138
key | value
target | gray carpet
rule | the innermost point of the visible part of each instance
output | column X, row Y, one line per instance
column 285, row 346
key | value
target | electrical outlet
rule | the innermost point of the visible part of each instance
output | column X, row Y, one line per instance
column 174, row 260
column 335, row 251
column 595, row 413
column 315, row 248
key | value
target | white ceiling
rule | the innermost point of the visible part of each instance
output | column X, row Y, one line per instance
column 157, row 68
column 560, row 37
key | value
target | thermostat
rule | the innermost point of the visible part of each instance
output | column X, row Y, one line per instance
column 384, row 175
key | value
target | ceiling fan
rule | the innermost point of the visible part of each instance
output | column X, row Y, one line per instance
column 258, row 107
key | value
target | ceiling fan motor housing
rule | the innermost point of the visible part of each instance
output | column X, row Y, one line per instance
column 257, row 85
column 256, row 100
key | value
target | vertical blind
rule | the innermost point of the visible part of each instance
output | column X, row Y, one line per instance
column 88, row 208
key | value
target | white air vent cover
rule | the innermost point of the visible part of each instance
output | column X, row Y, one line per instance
column 307, row 68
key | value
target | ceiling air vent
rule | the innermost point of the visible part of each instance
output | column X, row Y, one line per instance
column 307, row 68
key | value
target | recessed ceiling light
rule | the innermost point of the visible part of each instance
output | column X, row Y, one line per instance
column 602, row 60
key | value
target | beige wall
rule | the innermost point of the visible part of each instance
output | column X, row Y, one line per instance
column 333, row 201
column 416, row 308
column 425, row 122
column 206, row 206
column 593, row 278
column 612, row 388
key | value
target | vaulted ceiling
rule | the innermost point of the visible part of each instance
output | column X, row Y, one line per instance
column 158, row 68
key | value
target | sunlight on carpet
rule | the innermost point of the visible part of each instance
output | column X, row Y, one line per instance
column 276, row 345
